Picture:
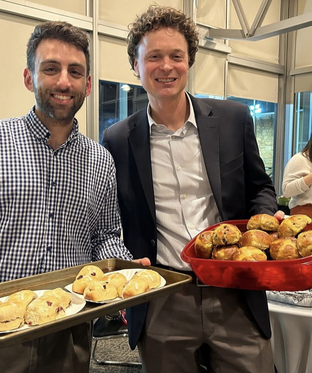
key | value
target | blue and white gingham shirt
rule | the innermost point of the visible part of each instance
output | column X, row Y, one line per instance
column 58, row 208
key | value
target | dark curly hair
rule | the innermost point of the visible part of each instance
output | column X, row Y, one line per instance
column 62, row 31
column 161, row 16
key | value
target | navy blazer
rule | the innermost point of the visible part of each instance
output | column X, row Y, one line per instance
column 236, row 173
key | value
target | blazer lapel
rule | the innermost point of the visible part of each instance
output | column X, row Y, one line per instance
column 140, row 146
column 208, row 130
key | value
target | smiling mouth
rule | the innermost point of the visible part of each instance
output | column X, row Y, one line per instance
column 62, row 97
column 166, row 80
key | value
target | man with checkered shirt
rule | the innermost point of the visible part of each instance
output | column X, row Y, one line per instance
column 58, row 199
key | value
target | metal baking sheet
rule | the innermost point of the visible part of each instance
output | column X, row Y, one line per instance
column 51, row 280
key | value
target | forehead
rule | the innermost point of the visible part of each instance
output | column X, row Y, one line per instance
column 164, row 37
column 52, row 49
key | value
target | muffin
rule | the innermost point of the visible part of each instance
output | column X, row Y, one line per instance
column 203, row 245
column 226, row 234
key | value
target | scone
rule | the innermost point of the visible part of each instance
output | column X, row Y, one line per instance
column 99, row 291
column 44, row 309
column 256, row 238
column 293, row 225
column 226, row 234
column 304, row 243
column 11, row 316
column 116, row 279
column 152, row 277
column 23, row 297
column 80, row 284
column 62, row 295
column 224, row 252
column 203, row 245
column 20, row 299
column 263, row 221
column 249, row 254
column 284, row 249
column 134, row 286
column 92, row 271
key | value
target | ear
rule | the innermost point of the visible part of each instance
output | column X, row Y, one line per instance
column 136, row 67
column 88, row 86
column 28, row 81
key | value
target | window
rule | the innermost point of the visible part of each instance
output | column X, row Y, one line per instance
column 264, row 117
column 303, row 120
column 117, row 102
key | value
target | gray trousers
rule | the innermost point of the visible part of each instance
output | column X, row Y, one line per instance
column 212, row 320
column 67, row 351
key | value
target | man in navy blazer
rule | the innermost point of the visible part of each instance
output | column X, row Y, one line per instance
column 156, row 163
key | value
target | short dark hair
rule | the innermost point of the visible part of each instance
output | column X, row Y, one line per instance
column 161, row 16
column 62, row 31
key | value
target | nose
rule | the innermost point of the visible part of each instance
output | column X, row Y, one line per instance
column 166, row 63
column 63, row 81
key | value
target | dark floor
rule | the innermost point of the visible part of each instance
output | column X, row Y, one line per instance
column 114, row 349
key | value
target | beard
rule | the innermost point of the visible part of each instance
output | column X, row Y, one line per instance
column 58, row 112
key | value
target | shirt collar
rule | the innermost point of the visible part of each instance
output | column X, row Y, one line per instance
column 191, row 119
column 41, row 132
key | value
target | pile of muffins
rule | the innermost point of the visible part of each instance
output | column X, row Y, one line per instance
column 97, row 286
column 265, row 238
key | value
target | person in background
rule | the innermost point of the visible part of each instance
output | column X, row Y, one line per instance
column 58, row 196
column 297, row 181
column 184, row 164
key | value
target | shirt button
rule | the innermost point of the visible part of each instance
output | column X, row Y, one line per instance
column 179, row 168
column 51, row 215
column 183, row 196
column 49, row 248
column 153, row 243
column 191, row 226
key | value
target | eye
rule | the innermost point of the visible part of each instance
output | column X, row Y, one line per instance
column 153, row 57
column 76, row 73
column 50, row 70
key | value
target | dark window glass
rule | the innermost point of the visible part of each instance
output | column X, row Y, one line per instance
column 303, row 125
column 117, row 102
column 264, row 117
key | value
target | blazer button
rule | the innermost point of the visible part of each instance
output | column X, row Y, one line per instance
column 153, row 243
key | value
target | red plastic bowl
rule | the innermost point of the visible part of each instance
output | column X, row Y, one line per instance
column 282, row 275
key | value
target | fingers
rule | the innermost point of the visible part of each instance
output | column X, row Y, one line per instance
column 279, row 215
column 144, row 261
